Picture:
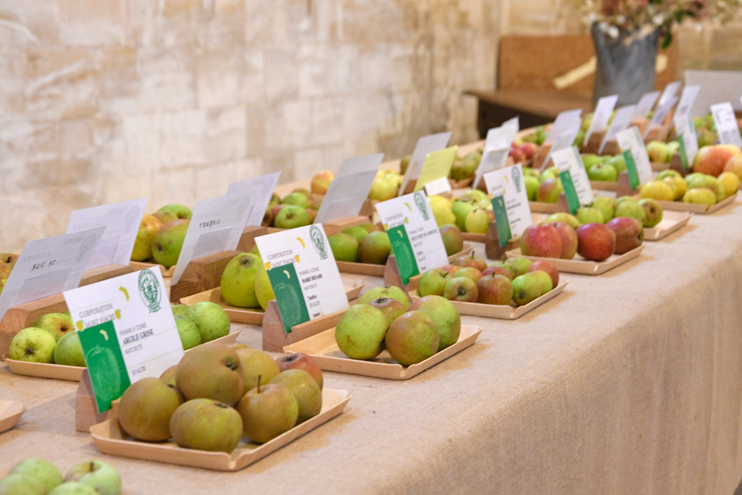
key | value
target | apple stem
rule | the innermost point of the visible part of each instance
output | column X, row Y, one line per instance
column 260, row 377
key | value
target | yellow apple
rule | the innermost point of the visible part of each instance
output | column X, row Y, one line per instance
column 730, row 182
column 658, row 190
column 143, row 244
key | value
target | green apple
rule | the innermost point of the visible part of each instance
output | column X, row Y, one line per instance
column 618, row 162
column 386, row 291
column 178, row 309
column 590, row 215
column 297, row 199
column 589, row 159
column 360, row 332
column 519, row 264
column 477, row 195
column 444, row 314
column 292, row 216
column 168, row 242
column 211, row 319
column 68, row 351
column 631, row 209
column 460, row 210
column 442, row 210
column 570, row 220
column 526, row 288
column 21, row 484
column 543, row 279
column 34, row 345
column 653, row 212
column 549, row 173
column 478, row 221
column 39, row 469
column 58, row 324
column 263, row 288
column 190, row 335
column 238, row 280
column 433, row 282
column 98, row 475
column 532, row 184
column 356, row 232
column 701, row 195
column 143, row 243
column 412, row 338
column 607, row 206
column 602, row 172
column 181, row 212
column 305, row 389
column 383, row 190
column 453, row 241
column 73, row 488
column 658, row 152
column 255, row 363
column 375, row 248
column 344, row 247
column 267, row 411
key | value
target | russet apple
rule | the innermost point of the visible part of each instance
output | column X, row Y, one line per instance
column 206, row 424
column 412, row 338
column 542, row 241
column 255, row 364
column 444, row 315
column 596, row 241
column 168, row 242
column 212, row 372
column 495, row 289
column 387, row 291
column 146, row 407
column 453, row 241
column 391, row 308
column 301, row 361
column 305, row 389
column 267, row 411
column 547, row 267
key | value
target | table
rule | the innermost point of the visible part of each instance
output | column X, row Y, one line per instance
column 630, row 382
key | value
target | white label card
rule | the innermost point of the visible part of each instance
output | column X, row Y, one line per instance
column 726, row 124
column 569, row 159
column 425, row 146
column 303, row 274
column 601, row 116
column 669, row 92
column 508, row 182
column 498, row 140
column 620, row 122
column 631, row 140
column 413, row 233
column 216, row 226
column 438, row 186
column 350, row 188
column 690, row 93
column 684, row 127
column 660, row 114
column 565, row 121
column 258, row 191
column 645, row 105
column 564, row 140
column 121, row 222
column 49, row 266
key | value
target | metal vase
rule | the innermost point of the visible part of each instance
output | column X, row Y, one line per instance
column 626, row 65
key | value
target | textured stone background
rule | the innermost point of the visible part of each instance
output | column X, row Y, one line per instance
column 108, row 100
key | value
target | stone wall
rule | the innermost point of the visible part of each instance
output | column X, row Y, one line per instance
column 108, row 100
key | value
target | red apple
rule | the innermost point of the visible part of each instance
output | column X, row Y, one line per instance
column 472, row 261
column 499, row 270
column 300, row 361
column 547, row 267
column 710, row 160
column 517, row 155
column 596, row 241
column 321, row 182
column 461, row 289
column 541, row 240
column 495, row 289
column 469, row 272
column 529, row 150
column 451, row 269
column 569, row 240
column 629, row 234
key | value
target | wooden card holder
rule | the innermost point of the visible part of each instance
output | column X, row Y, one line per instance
column 274, row 336
column 623, row 186
column 19, row 317
column 593, row 144
column 492, row 243
column 86, row 409
column 368, row 209
column 658, row 134
column 247, row 239
column 343, row 223
column 611, row 148
column 641, row 124
column 201, row 275
column 539, row 162
column 104, row 273
column 676, row 164
column 562, row 206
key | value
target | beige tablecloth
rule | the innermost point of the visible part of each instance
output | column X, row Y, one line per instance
column 628, row 383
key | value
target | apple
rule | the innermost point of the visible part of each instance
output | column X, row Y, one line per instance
column 238, row 280
column 444, row 315
column 499, row 270
column 375, row 248
column 22, row 484
column 68, row 351
column 631, row 209
column 412, row 338
column 532, row 185
column 596, row 241
column 495, row 289
column 542, row 241
column 383, row 190
column 469, row 272
column 41, row 470
column 549, row 191
column 451, row 269
column 360, row 332
column 300, row 361
column 529, row 150
column 98, row 475
column 168, row 242
column 526, row 288
column 678, row 185
column 391, row 308
column 658, row 152
column 544, row 280
column 602, row 172
column 433, row 282
column 478, row 220
column 34, row 345
column 701, row 195
column 386, row 291
column 629, row 234
column 658, row 190
column 653, row 212
column 734, row 165
column 519, row 264
column 589, row 159
column 569, row 240
column 146, row 234
column 164, row 217
column 547, row 267
column 292, row 216
column 181, row 212
column 461, row 209
column 461, row 289
column 452, row 239
column 711, row 160
column 470, row 260
column 343, row 247
column 590, row 215
column 268, row 411
column 321, row 182
column 567, row 218
column 517, row 155
column 305, row 389
column 730, row 182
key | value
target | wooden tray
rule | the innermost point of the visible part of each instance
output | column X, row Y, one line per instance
column 503, row 312
column 604, row 185
column 470, row 237
column 10, row 413
column 672, row 221
column 660, row 166
column 539, row 207
column 109, row 438
column 582, row 266
column 361, row 268
column 74, row 373
column 325, row 352
column 696, row 209
column 141, row 265
column 250, row 316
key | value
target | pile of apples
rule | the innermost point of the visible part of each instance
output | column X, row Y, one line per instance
column 161, row 235
column 603, row 168
column 200, row 323
column 218, row 393
column 465, row 168
column 296, row 209
column 36, row 476
column 365, row 243
column 7, row 261
column 515, row 281
column 660, row 152
column 706, row 129
column 411, row 331
column 51, row 339
column 471, row 212
column 603, row 209
column 387, row 182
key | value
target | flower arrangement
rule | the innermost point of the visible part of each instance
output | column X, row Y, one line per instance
column 618, row 17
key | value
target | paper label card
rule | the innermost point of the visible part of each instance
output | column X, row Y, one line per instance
column 413, row 234
column 684, row 126
column 49, row 266
column 121, row 221
column 726, row 124
column 258, row 192
column 496, row 149
column 638, row 165
column 438, row 186
column 564, row 140
column 565, row 121
column 127, row 331
column 437, row 165
column 669, row 92
column 601, row 116
column 575, row 181
column 303, row 274
column 216, row 226
column 645, row 105
column 620, row 122
column 660, row 114
column 509, row 202
column 425, row 146
column 350, row 188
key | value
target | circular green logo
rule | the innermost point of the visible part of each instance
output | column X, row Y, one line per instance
column 516, row 175
column 85, row 247
column 149, row 290
column 421, row 205
column 318, row 241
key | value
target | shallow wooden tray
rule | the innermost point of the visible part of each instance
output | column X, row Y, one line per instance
column 325, row 352
column 141, row 265
column 660, row 166
column 539, row 207
column 74, row 373
column 504, row 312
column 251, row 316
column 696, row 209
column 604, row 185
column 10, row 413
column 583, row 266
column 109, row 438
column 361, row 268
column 672, row 221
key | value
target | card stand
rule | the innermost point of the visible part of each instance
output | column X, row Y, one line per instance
column 658, row 134
column 623, row 185
column 641, row 124
column 593, row 144
column 275, row 337
column 10, row 258
column 142, row 265
column 560, row 206
column 604, row 185
column 393, row 277
column 247, row 239
column 339, row 225
column 10, row 413
column 24, row 315
column 611, row 148
column 201, row 275
column 104, row 273
column 492, row 248
column 86, row 409
column 676, row 164
column 539, row 162
column 461, row 184
column 660, row 166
